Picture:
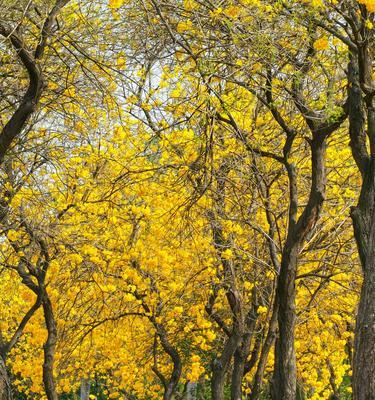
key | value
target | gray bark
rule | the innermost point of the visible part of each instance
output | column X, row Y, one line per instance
column 85, row 389
column 5, row 387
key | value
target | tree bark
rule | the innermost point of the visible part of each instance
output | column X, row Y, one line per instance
column 221, row 364
column 364, row 356
column 5, row 386
column 49, row 349
column 284, row 383
column 363, row 217
column 285, row 375
column 85, row 389
column 361, row 91
column 239, row 362
column 170, row 384
column 191, row 390
column 268, row 343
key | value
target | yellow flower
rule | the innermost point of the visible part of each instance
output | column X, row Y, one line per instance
column 115, row 3
column 248, row 285
column 12, row 235
column 262, row 310
column 184, row 26
column 227, row 254
column 370, row 4
column 321, row 44
column 232, row 11
column 178, row 310
column 369, row 24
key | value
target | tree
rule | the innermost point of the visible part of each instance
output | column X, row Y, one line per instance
column 176, row 209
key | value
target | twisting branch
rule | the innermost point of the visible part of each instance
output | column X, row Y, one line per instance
column 29, row 59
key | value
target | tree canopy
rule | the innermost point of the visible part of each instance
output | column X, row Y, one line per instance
column 187, row 199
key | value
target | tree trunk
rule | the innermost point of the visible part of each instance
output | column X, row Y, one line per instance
column 220, row 366
column 285, row 374
column 191, row 390
column 364, row 355
column 5, row 387
column 364, row 345
column 170, row 386
column 240, row 356
column 49, row 349
column 361, row 102
column 268, row 343
column 240, row 364
column 85, row 389
column 284, row 383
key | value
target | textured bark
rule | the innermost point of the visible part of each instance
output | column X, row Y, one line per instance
column 5, row 387
column 175, row 377
column 239, row 364
column 85, row 389
column 363, row 217
column 361, row 91
column 364, row 356
column 27, row 106
column 285, row 376
column 237, row 375
column 220, row 366
column 170, row 384
column 268, row 343
column 285, row 373
column 191, row 390
column 49, row 349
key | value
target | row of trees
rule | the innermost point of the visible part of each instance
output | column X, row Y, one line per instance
column 179, row 181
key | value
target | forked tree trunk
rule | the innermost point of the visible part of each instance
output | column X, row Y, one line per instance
column 221, row 364
column 239, row 361
column 284, row 385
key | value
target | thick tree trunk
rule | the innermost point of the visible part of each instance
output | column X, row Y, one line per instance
column 5, row 387
column 85, row 389
column 285, row 374
column 364, row 346
column 191, row 390
column 239, row 362
column 237, row 375
column 364, row 355
column 49, row 349
column 221, row 364
column 361, row 104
